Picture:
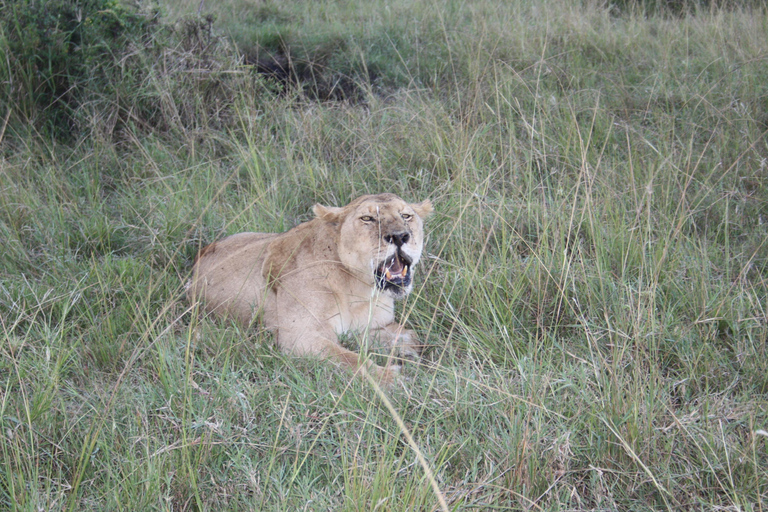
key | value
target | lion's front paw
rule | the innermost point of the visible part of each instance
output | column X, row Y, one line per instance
column 387, row 375
column 408, row 345
column 410, row 352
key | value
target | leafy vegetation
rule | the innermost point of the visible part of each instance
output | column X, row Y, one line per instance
column 593, row 296
column 95, row 67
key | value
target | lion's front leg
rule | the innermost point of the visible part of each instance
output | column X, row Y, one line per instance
column 402, row 339
column 386, row 375
column 319, row 343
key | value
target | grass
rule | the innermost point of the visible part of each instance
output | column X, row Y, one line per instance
column 593, row 296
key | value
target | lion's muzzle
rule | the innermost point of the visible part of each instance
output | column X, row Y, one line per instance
column 395, row 273
column 398, row 238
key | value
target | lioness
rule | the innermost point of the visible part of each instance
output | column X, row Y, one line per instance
column 340, row 271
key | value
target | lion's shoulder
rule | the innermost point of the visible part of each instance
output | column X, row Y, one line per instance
column 308, row 243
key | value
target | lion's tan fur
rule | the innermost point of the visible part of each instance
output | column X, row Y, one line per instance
column 316, row 281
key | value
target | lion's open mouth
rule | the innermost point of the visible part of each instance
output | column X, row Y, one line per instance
column 394, row 272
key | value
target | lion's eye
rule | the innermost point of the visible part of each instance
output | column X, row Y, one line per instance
column 366, row 218
column 407, row 216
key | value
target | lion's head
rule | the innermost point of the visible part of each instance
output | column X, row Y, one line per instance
column 381, row 238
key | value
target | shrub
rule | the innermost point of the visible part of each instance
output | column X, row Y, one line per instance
column 63, row 53
column 680, row 7
column 102, row 65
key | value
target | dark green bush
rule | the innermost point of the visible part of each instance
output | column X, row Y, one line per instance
column 62, row 54
column 77, row 67
column 680, row 7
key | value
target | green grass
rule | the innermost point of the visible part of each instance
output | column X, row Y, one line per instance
column 593, row 294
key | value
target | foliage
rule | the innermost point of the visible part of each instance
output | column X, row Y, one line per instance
column 75, row 66
column 63, row 52
column 681, row 7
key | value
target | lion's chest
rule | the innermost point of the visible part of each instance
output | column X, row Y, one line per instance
column 359, row 314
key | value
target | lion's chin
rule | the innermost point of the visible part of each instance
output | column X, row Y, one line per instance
column 395, row 275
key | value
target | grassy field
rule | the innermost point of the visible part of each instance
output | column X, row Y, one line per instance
column 593, row 295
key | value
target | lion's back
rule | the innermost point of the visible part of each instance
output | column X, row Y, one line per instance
column 227, row 275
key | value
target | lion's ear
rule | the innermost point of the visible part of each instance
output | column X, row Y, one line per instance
column 423, row 209
column 328, row 213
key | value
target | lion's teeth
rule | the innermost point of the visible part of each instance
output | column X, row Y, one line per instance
column 405, row 270
column 388, row 274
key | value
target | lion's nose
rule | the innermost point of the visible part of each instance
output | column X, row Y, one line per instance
column 398, row 238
